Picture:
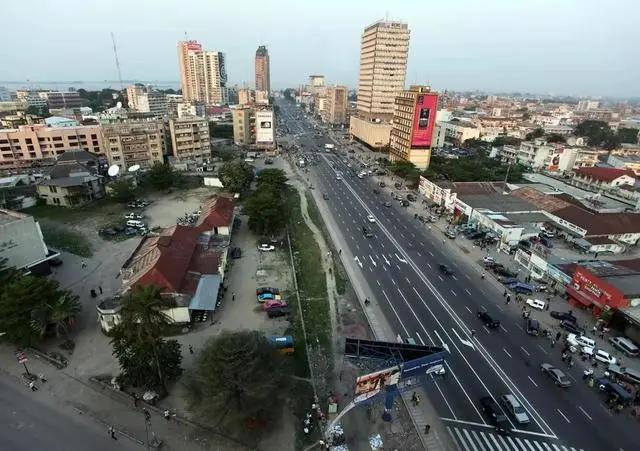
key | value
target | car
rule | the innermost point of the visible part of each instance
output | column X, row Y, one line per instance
column 487, row 320
column 277, row 312
column 130, row 231
column 444, row 269
column 495, row 414
column 55, row 261
column 488, row 260
column 411, row 198
column 404, row 203
column 366, row 231
column 274, row 303
column 512, row 406
column 338, row 178
column 325, row 196
column 266, row 247
column 506, row 272
column 267, row 296
column 580, row 341
column 370, row 218
column 532, row 326
column 387, row 204
column 625, row 345
column 132, row 216
column 563, row 316
column 433, row 218
column 572, row 327
column 236, row 252
column 450, row 233
column 536, row 303
column 605, row 357
column 556, row 375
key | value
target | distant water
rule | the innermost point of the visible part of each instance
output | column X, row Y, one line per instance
column 88, row 85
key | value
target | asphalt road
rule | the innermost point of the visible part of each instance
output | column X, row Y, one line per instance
column 29, row 422
column 401, row 263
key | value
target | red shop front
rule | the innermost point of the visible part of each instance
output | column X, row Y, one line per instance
column 587, row 290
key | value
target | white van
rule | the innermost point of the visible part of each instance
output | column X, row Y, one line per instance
column 625, row 345
column 581, row 341
column 135, row 223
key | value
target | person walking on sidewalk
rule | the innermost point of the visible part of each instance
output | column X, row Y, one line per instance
column 414, row 398
column 233, row 297
column 112, row 433
column 167, row 415
column 427, row 428
column 32, row 386
column 135, row 400
column 508, row 299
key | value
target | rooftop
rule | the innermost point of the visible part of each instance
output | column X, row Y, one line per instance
column 9, row 216
column 69, row 181
column 625, row 279
column 604, row 174
column 600, row 223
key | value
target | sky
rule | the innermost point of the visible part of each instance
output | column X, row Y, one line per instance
column 557, row 47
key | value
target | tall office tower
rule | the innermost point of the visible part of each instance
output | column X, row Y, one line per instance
column 383, row 67
column 335, row 111
column 263, row 77
column 203, row 74
column 412, row 132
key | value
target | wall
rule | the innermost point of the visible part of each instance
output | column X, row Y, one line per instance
column 374, row 135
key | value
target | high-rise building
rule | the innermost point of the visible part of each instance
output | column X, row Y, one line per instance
column 134, row 143
column 61, row 99
column 33, row 144
column 203, row 74
column 245, row 96
column 263, row 77
column 190, row 138
column 335, row 108
column 243, row 125
column 152, row 101
column 133, row 93
column 414, row 117
column 383, row 65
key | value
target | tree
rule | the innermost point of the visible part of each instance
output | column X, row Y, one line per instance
column 627, row 135
column 598, row 134
column 475, row 143
column 62, row 312
column 267, row 211
column 236, row 175
column 272, row 178
column 506, row 141
column 144, row 356
column 475, row 168
column 237, row 376
column 537, row 133
column 38, row 110
column 123, row 190
column 556, row 138
column 161, row 176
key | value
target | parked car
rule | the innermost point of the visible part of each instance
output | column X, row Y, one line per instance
column 487, row 320
column 488, row 260
column 512, row 406
column 450, row 233
column 444, row 269
column 625, row 345
column 376, row 191
column 605, row 357
column 277, row 312
column 265, row 247
column 404, row 203
column 236, row 252
column 536, row 303
column 502, row 271
column 556, row 375
column 411, row 198
column 273, row 303
column 325, row 196
column 532, row 326
column 263, row 297
column 495, row 414
column 263, row 290
column 563, row 316
column 572, row 327
column 387, row 204
column 577, row 340
column 132, row 216
column 382, row 184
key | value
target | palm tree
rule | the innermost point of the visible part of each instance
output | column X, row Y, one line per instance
column 62, row 312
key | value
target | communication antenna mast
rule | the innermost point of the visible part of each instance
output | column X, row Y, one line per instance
column 115, row 53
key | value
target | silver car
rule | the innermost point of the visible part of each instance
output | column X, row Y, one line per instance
column 558, row 377
column 513, row 407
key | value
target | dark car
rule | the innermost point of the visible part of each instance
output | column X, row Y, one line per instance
column 325, row 196
column 444, row 269
column 263, row 290
column 563, row 316
column 556, row 375
column 532, row 326
column 382, row 184
column 505, row 272
column 411, row 198
column 387, row 204
column 108, row 231
column 236, row 252
column 571, row 327
column 476, row 235
column 366, row 231
column 277, row 312
column 487, row 320
column 495, row 414
column 398, row 185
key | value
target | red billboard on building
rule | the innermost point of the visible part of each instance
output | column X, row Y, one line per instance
column 424, row 119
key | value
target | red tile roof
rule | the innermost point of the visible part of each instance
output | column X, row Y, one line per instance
column 604, row 174
column 543, row 201
column 216, row 212
column 600, row 223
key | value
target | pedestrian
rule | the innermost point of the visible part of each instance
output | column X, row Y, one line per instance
column 190, row 349
column 414, row 398
column 135, row 399
column 339, row 251
column 427, row 428
column 167, row 415
column 100, row 289
column 112, row 433
column 558, row 336
column 233, row 297
column 473, row 333
column 553, row 343
column 417, row 400
column 32, row 386
column 594, row 330
column 508, row 298
column 504, row 294
column 546, row 307
column 84, row 264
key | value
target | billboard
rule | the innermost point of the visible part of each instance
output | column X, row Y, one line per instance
column 424, row 119
column 264, row 127
column 371, row 384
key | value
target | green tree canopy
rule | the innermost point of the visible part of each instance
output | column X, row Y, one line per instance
column 406, row 170
column 598, row 134
column 475, row 168
column 475, row 143
column 556, row 138
column 162, row 176
column 267, row 206
column 272, row 178
column 537, row 133
column 236, row 175
column 627, row 135
column 123, row 190
column 145, row 358
column 236, row 376
column 506, row 141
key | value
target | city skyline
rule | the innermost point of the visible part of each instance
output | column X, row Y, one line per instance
column 538, row 47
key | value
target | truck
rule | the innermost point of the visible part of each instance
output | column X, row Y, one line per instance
column 329, row 147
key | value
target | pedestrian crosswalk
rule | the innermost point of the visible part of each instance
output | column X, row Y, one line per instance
column 478, row 440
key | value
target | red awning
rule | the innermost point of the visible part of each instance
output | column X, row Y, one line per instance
column 579, row 296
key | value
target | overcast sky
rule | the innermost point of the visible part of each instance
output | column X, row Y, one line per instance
column 578, row 47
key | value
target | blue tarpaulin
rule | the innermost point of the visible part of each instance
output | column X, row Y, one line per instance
column 206, row 295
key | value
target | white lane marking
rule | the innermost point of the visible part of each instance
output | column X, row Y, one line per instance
column 441, row 279
column 524, row 350
column 358, row 261
column 393, row 281
column 444, row 345
column 431, row 253
column 542, row 349
column 454, row 277
column 373, row 261
column 408, row 281
column 503, row 328
column 468, row 309
column 468, row 292
column 461, row 440
column 519, row 327
column 476, row 435
column 398, row 266
column 472, row 423
column 467, row 276
column 429, row 265
column 499, row 308
column 505, row 351
column 486, row 329
column 378, row 282
column 402, row 260
column 462, row 340
column 564, row 416
column 395, row 313
column 385, row 260
column 466, row 433
column 419, row 254
column 585, row 413
column 454, row 293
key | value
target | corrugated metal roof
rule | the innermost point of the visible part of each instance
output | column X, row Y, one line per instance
column 206, row 295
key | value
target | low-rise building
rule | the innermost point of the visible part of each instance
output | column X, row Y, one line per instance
column 190, row 138
column 335, row 110
column 152, row 101
column 243, row 126
column 602, row 179
column 458, row 131
column 73, row 181
column 22, row 243
column 131, row 143
column 628, row 162
column 375, row 135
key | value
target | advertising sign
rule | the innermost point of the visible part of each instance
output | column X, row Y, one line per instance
column 371, row 384
column 264, row 127
column 424, row 119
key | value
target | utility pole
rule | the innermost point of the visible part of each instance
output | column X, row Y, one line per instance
column 115, row 53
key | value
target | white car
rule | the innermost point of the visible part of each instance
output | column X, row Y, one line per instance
column 370, row 218
column 536, row 303
column 338, row 178
column 605, row 357
column 132, row 216
column 488, row 259
column 266, row 247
